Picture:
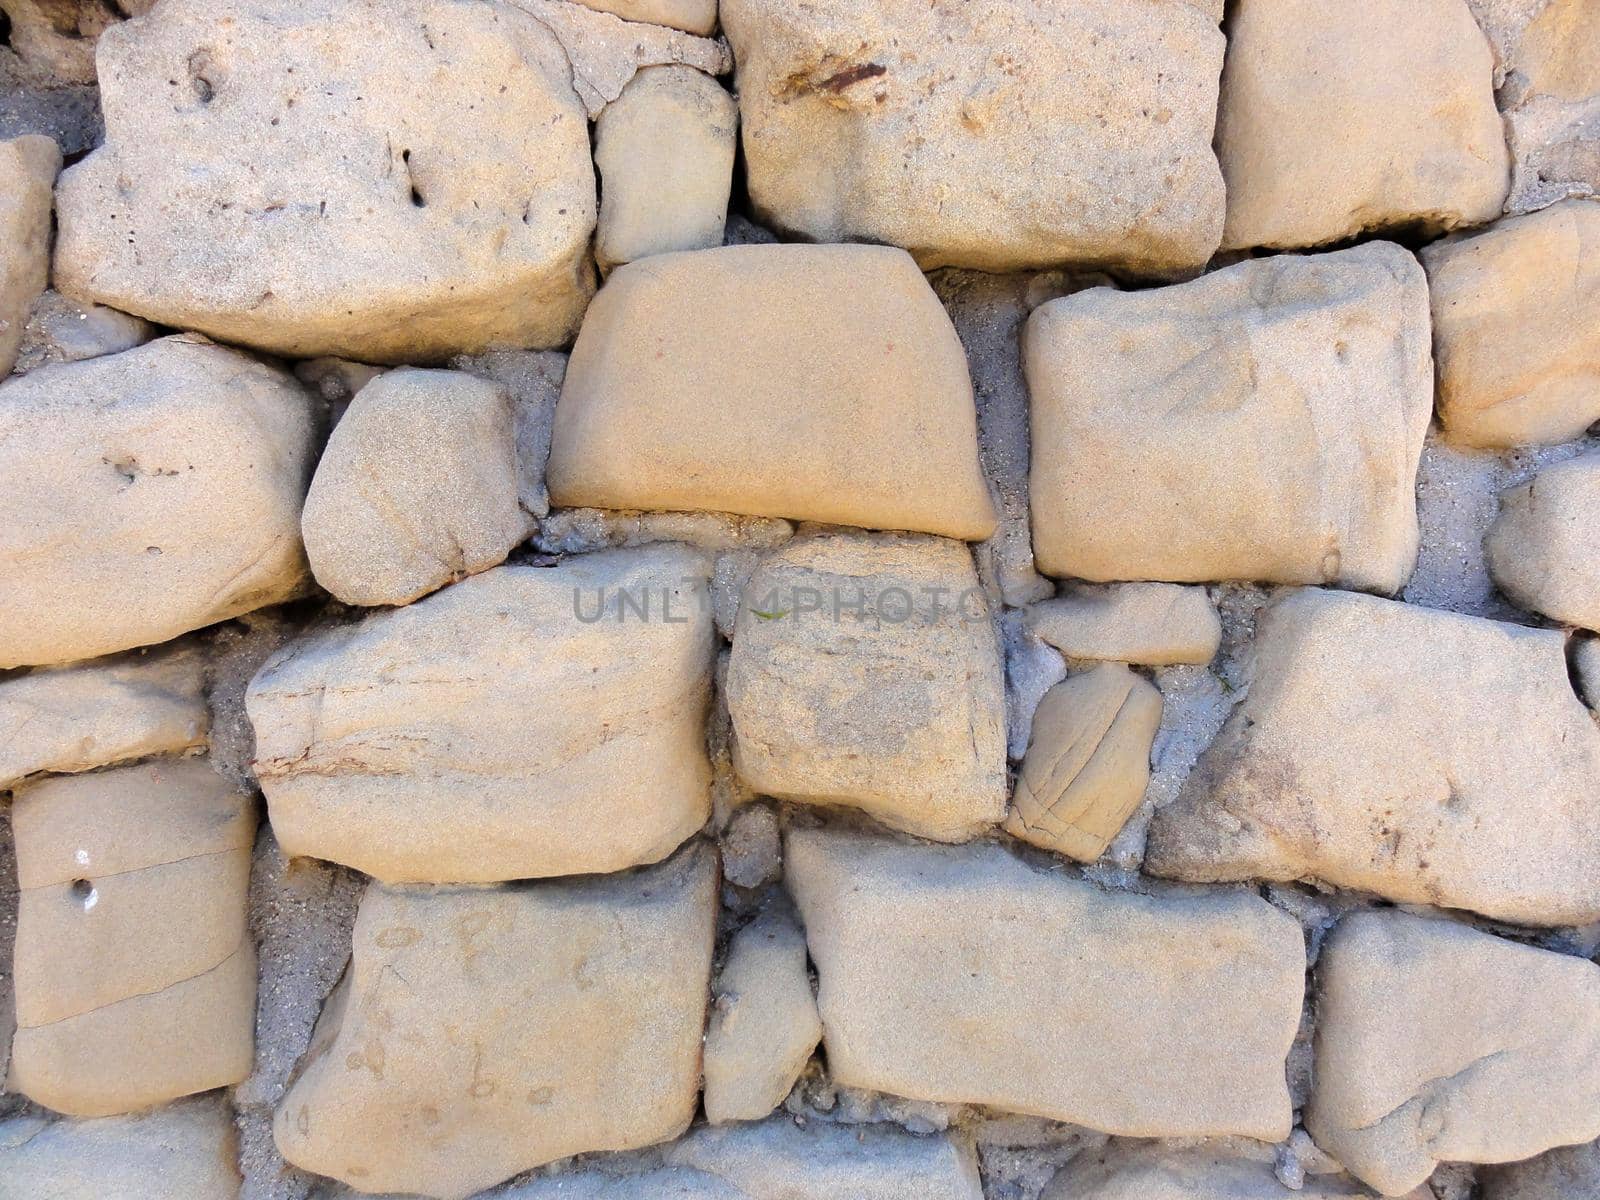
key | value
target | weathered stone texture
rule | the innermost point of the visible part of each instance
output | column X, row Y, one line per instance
column 1314, row 372
column 1338, row 119
column 418, row 486
column 1151, row 624
column 135, row 973
column 71, row 719
column 181, row 1151
column 990, row 134
column 691, row 16
column 62, row 330
column 1088, row 762
column 962, row 975
column 665, row 151
column 1516, row 328
column 151, row 493
column 1157, row 1173
column 1570, row 1173
column 865, row 672
column 764, row 1024
column 1372, row 751
column 524, row 722
column 28, row 167
column 397, row 180
column 848, row 400
column 483, row 1031
column 55, row 39
column 1544, row 549
column 1438, row 1043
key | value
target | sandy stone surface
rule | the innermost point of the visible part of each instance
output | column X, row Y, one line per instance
column 28, row 167
column 1437, row 1042
column 1151, row 624
column 1313, row 370
column 1544, row 549
column 691, row 16
column 934, row 986
column 155, row 492
column 483, row 1031
column 990, row 134
column 1570, row 1173
column 862, row 414
column 1368, row 754
column 533, row 721
column 865, row 672
column 1154, row 1172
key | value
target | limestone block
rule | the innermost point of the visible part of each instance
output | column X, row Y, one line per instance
column 1151, row 624
column 525, row 722
column 152, row 492
column 1516, row 328
column 691, row 16
column 1312, row 371
column 435, row 197
column 71, row 719
column 1570, row 1173
column 1439, row 1043
column 764, row 1024
column 1372, row 752
column 991, row 134
column 859, row 414
column 1140, row 1172
column 1544, row 549
column 1088, row 762
column 866, row 672
column 1369, row 115
column 28, row 167
column 135, row 970
column 1586, row 669
column 418, row 487
column 781, row 1160
column 182, row 1151
column 665, row 152
column 480, row 1032
column 961, row 975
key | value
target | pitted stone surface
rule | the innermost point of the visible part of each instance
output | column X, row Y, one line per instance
column 153, row 492
column 859, row 414
column 865, row 672
column 135, row 972
column 941, row 968
column 1313, row 371
column 480, row 1032
column 989, row 134
column 524, row 722
column 1371, row 752
column 28, row 167
column 1438, row 1043
column 395, row 181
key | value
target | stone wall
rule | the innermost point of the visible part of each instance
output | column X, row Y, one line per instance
column 858, row 600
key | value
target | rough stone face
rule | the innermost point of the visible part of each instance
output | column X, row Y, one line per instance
column 62, row 330
column 860, row 414
column 417, row 487
column 77, row 718
column 764, row 1024
column 534, row 380
column 1586, row 667
column 1571, row 1173
column 949, row 974
column 181, row 1151
column 1152, row 624
column 1371, row 752
column 1088, row 762
column 135, row 971
column 1544, row 550
column 665, row 151
column 1313, row 371
column 1516, row 328
column 865, row 672
column 990, row 134
column 55, row 39
column 530, row 721
column 1368, row 115
column 437, row 198
column 1437, row 1043
column 28, row 167
column 152, row 492
column 779, row 1160
column 668, row 1183
column 1157, row 1173
column 482, row 1031
column 691, row 16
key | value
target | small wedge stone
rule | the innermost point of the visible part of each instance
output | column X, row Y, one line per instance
column 1147, row 624
column 1543, row 551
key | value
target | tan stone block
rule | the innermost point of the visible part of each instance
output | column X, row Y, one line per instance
column 691, row 16
column 859, row 414
column 480, row 1032
column 28, row 167
column 135, row 970
column 1139, row 1172
column 1148, row 624
column 1544, row 549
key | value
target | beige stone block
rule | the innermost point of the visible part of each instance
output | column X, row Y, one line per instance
column 691, row 16
column 1544, row 549
column 28, row 167
column 1149, row 624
